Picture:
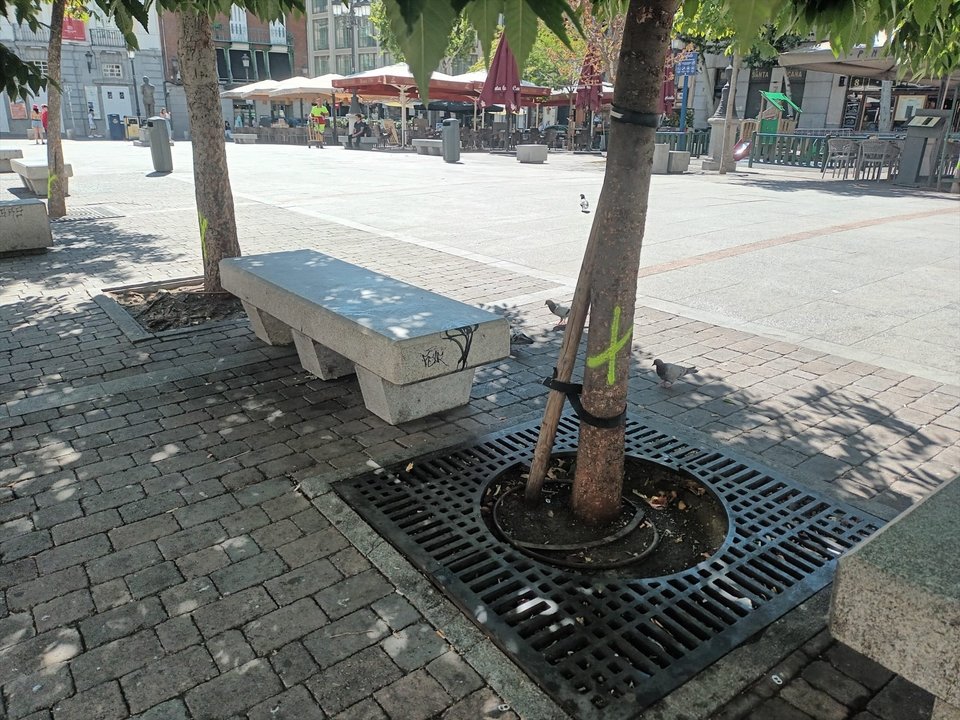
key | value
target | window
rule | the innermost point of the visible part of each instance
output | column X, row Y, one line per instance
column 319, row 6
column 343, row 65
column 341, row 32
column 42, row 65
column 321, row 65
column 366, row 61
column 321, row 34
column 112, row 70
column 366, row 34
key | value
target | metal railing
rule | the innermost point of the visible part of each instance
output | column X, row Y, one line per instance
column 793, row 150
column 25, row 34
column 236, row 32
column 107, row 37
column 698, row 141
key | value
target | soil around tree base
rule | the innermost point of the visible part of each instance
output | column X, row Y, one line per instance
column 175, row 308
column 688, row 517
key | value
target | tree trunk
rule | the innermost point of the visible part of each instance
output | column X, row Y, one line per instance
column 621, row 214
column 198, row 70
column 56, row 203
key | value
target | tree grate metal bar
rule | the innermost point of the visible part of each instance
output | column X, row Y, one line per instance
column 88, row 212
column 610, row 647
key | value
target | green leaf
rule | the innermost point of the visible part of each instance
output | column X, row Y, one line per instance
column 484, row 15
column 425, row 41
column 520, row 28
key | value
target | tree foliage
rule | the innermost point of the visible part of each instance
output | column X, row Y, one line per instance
column 461, row 45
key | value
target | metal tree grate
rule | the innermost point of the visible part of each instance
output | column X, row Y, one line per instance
column 88, row 212
column 611, row 647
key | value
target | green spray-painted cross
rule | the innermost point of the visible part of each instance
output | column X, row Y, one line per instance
column 609, row 356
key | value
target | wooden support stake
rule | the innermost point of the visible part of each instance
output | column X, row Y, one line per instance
column 579, row 308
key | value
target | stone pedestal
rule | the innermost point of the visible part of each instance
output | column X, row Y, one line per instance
column 661, row 158
column 678, row 161
column 716, row 141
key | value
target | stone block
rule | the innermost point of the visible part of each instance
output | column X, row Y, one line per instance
column 6, row 155
column 35, row 173
column 678, row 161
column 243, row 138
column 661, row 158
column 896, row 598
column 400, row 403
column 24, row 225
column 532, row 153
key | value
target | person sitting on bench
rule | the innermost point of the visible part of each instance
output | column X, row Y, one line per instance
column 360, row 130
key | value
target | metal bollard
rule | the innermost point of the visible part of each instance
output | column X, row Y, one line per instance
column 159, row 133
column 451, row 140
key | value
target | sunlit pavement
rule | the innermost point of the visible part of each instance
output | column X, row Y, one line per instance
column 169, row 544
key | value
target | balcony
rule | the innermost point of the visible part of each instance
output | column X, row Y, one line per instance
column 25, row 34
column 107, row 38
column 254, row 36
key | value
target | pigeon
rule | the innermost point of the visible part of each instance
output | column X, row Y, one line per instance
column 584, row 204
column 561, row 311
column 519, row 338
column 670, row 373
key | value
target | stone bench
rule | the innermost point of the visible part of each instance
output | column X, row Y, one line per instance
column 532, row 153
column 413, row 351
column 6, row 155
column 360, row 143
column 678, row 161
column 24, row 226
column 896, row 598
column 427, row 146
column 244, row 137
column 35, row 175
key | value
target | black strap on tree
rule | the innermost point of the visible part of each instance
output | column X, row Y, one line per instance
column 635, row 117
column 573, row 391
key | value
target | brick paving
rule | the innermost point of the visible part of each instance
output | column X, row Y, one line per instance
column 170, row 547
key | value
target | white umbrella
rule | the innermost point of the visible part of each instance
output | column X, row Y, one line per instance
column 304, row 88
column 242, row 92
column 859, row 62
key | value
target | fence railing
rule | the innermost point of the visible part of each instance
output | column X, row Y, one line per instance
column 698, row 141
column 27, row 35
column 107, row 37
column 793, row 150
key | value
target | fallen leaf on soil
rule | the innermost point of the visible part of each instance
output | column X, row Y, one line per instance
column 660, row 501
column 681, row 506
column 409, row 467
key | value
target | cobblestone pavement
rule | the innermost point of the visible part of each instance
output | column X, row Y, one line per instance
column 170, row 547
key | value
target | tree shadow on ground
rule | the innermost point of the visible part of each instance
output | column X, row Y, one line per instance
column 837, row 186
column 85, row 250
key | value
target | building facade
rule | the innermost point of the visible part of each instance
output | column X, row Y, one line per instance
column 99, row 74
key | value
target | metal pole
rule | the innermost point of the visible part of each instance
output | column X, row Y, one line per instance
column 683, row 113
column 133, row 80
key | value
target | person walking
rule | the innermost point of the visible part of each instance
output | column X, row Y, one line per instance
column 318, row 117
column 91, row 124
column 44, row 119
column 165, row 114
column 36, row 124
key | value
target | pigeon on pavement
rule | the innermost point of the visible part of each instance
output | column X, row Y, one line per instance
column 561, row 311
column 670, row 373
column 519, row 338
column 584, row 204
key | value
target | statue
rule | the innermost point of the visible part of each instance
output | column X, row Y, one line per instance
column 146, row 90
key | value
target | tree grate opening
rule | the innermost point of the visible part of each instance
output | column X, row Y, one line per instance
column 611, row 647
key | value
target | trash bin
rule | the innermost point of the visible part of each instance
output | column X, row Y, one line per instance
column 114, row 127
column 132, row 125
column 159, row 133
column 451, row 140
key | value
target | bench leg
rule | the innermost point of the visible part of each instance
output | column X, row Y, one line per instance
column 399, row 403
column 267, row 327
column 319, row 359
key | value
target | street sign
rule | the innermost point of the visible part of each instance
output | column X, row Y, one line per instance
column 686, row 64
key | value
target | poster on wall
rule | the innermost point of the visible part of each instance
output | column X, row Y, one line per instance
column 93, row 100
column 18, row 110
column 907, row 106
column 74, row 29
